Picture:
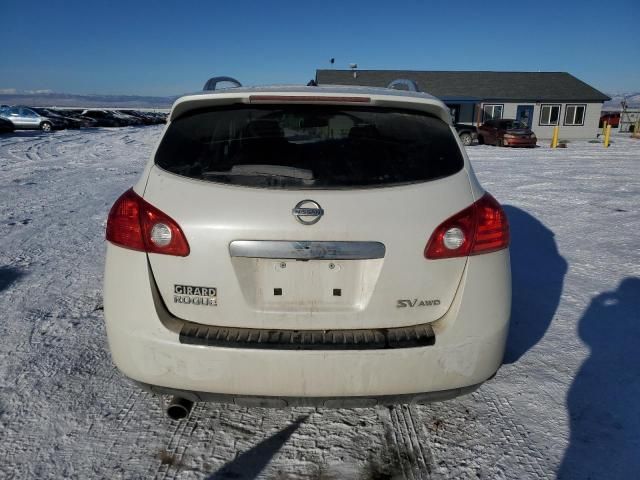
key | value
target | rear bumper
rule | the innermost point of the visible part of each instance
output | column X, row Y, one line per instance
column 520, row 142
column 326, row 402
column 470, row 340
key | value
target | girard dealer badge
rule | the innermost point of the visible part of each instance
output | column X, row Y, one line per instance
column 190, row 295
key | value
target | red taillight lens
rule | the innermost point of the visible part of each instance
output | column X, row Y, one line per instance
column 123, row 224
column 136, row 224
column 479, row 228
column 492, row 231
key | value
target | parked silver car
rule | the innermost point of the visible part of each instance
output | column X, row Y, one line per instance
column 26, row 118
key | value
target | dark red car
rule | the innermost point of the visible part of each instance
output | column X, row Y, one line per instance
column 506, row 133
column 612, row 118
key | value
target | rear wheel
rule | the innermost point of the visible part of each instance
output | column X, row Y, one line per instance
column 466, row 139
column 45, row 126
column 499, row 143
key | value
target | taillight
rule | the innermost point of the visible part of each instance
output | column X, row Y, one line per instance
column 136, row 224
column 480, row 228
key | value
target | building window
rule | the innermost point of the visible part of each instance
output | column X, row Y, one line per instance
column 574, row 114
column 492, row 112
column 549, row 114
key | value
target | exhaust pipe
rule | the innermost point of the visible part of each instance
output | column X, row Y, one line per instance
column 179, row 408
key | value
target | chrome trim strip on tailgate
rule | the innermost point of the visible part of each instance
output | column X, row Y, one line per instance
column 279, row 249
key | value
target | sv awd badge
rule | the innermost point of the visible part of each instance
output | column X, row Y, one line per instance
column 417, row 303
column 190, row 295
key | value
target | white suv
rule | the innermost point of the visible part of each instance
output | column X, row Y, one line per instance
column 308, row 245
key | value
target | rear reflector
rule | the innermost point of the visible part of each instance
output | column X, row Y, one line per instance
column 136, row 224
column 307, row 99
column 480, row 228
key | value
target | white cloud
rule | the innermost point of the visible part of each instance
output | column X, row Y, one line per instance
column 15, row 91
column 38, row 91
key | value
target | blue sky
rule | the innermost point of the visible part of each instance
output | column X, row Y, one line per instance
column 172, row 47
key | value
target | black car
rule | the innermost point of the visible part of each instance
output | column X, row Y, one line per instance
column 6, row 125
column 160, row 117
column 59, row 118
column 77, row 114
column 128, row 119
column 105, row 118
column 144, row 117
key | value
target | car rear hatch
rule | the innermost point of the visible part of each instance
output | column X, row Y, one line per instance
column 308, row 212
column 520, row 132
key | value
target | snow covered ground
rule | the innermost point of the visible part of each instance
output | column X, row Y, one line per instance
column 564, row 404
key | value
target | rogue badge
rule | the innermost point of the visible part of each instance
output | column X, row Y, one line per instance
column 190, row 295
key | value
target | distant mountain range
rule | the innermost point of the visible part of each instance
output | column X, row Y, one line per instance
column 49, row 99
column 632, row 99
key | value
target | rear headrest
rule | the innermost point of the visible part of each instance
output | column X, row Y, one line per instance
column 264, row 129
column 364, row 131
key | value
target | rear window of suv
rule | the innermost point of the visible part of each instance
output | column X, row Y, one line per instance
column 309, row 147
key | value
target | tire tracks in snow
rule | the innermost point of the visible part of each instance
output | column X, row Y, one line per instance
column 175, row 448
column 414, row 456
column 529, row 458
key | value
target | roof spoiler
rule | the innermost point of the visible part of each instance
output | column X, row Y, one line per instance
column 404, row 84
column 213, row 82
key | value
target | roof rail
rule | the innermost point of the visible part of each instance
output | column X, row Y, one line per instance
column 212, row 82
column 404, row 84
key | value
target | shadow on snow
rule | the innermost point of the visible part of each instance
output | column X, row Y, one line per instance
column 603, row 399
column 8, row 275
column 538, row 272
column 249, row 464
